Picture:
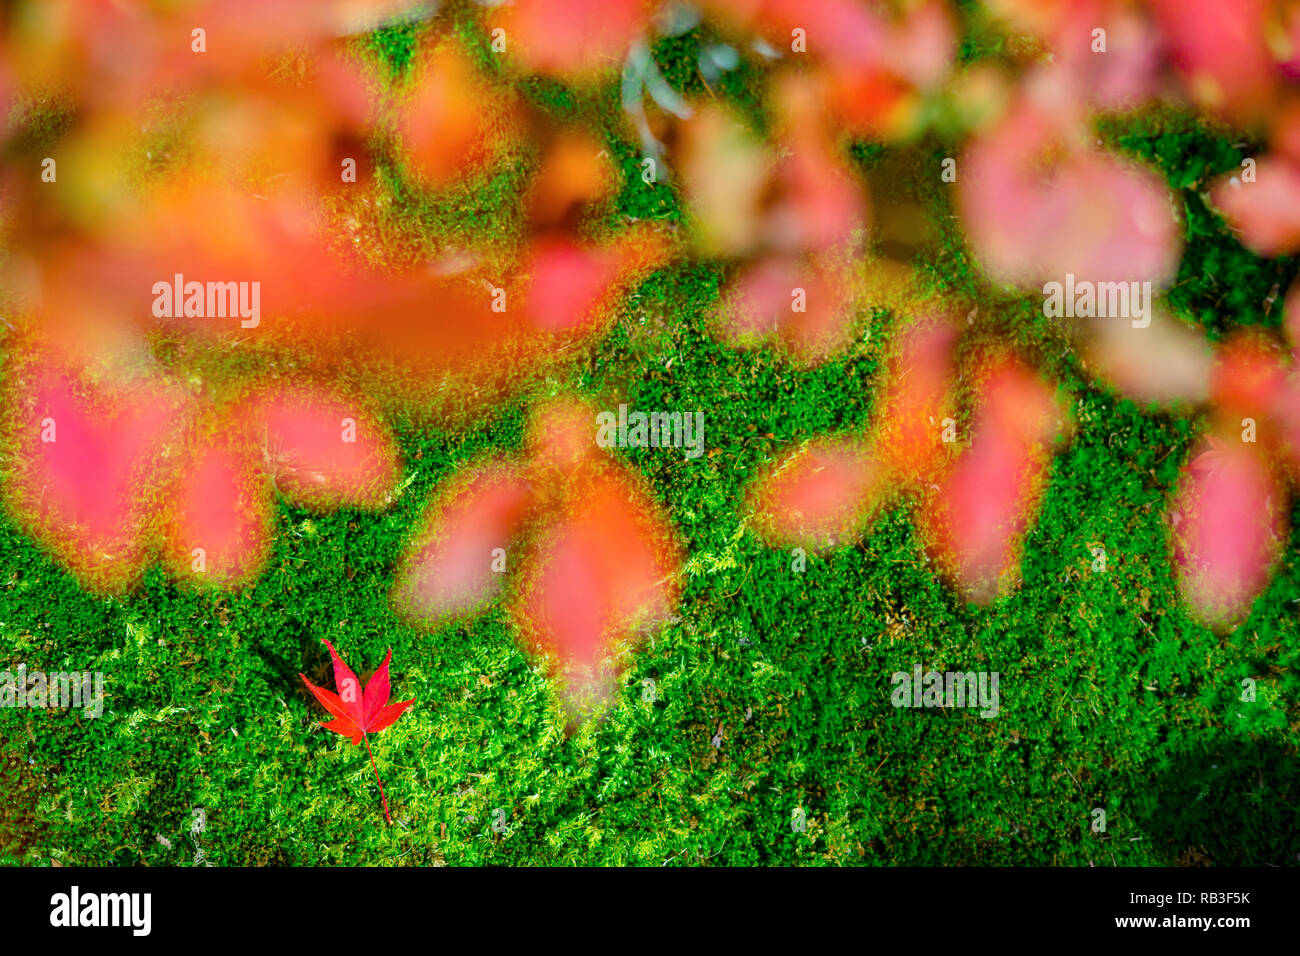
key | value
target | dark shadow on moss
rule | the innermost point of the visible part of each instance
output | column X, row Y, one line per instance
column 1226, row 803
column 20, row 829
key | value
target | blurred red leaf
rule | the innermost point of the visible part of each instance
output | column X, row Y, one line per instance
column 1220, row 48
column 321, row 450
column 975, row 523
column 84, row 480
column 588, row 555
column 450, row 571
column 915, row 400
column 452, row 116
column 821, row 495
column 570, row 37
column 116, row 462
column 1038, row 204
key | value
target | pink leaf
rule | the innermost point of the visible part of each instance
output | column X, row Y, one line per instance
column 219, row 516
column 88, row 467
column 1167, row 361
column 1220, row 49
column 1037, row 205
column 598, row 570
column 1249, row 376
column 822, row 495
column 571, row 37
column 569, row 285
column 1265, row 213
column 590, row 558
column 1228, row 523
column 450, row 572
column 324, row 450
column 975, row 523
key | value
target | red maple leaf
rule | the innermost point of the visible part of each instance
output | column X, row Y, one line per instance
column 359, row 713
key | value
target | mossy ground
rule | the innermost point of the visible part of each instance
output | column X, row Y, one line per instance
column 1110, row 696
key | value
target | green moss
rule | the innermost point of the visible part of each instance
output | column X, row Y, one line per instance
column 1111, row 697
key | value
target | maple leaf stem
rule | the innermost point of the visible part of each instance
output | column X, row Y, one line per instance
column 387, row 815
